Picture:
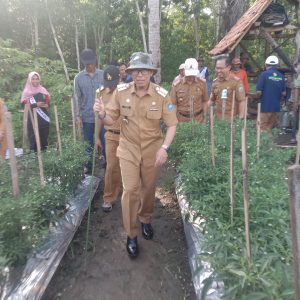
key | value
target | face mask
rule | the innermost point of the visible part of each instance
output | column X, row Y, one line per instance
column 235, row 68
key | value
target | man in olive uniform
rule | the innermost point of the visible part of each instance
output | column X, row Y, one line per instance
column 222, row 91
column 142, row 149
column 190, row 94
column 112, row 186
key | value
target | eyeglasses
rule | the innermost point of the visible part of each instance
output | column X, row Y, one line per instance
column 220, row 68
column 142, row 72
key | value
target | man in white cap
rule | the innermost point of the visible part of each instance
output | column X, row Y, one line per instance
column 270, row 89
column 141, row 105
column 180, row 75
column 190, row 94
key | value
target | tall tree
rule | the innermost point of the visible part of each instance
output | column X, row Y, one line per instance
column 154, row 36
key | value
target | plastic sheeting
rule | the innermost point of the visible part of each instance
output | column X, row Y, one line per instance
column 43, row 263
column 194, row 238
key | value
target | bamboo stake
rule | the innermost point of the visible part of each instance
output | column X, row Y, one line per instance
column 57, row 129
column 223, row 108
column 12, row 157
column 246, row 195
column 246, row 112
column 73, row 119
column 25, row 129
column 232, row 158
column 212, row 136
column 258, row 130
column 38, row 146
column 298, row 143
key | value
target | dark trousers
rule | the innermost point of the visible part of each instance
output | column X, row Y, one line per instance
column 43, row 132
column 102, row 138
column 88, row 136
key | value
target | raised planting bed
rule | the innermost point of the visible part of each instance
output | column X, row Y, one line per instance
column 27, row 220
column 42, row 264
column 267, row 272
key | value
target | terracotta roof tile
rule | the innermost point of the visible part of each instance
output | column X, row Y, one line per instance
column 239, row 30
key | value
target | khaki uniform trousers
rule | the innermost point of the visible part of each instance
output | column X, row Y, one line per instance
column 268, row 120
column 113, row 180
column 138, row 193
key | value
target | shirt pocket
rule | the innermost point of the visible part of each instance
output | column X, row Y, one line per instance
column 154, row 114
column 181, row 95
column 126, row 108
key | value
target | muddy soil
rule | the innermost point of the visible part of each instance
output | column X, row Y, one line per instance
column 105, row 272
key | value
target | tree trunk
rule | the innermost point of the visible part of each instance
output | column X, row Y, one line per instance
column 197, row 34
column 85, row 35
column 57, row 44
column 142, row 26
column 154, row 36
column 297, row 39
column 77, row 47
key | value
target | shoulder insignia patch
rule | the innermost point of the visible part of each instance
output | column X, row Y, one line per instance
column 170, row 107
column 161, row 91
column 241, row 88
column 122, row 87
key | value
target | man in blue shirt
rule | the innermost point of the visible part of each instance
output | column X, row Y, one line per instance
column 86, row 83
column 270, row 89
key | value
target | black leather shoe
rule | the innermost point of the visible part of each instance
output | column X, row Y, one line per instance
column 132, row 247
column 147, row 231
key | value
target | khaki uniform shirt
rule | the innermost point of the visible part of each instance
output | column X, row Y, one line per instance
column 225, row 88
column 190, row 99
column 141, row 136
column 112, row 131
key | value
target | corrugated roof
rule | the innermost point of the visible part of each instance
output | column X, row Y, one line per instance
column 239, row 30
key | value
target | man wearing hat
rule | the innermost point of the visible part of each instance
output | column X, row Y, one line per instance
column 270, row 89
column 141, row 105
column 223, row 89
column 179, row 76
column 86, row 83
column 190, row 94
column 113, row 182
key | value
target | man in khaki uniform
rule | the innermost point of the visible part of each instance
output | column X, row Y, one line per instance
column 190, row 94
column 222, row 91
column 113, row 183
column 142, row 149
column 3, row 141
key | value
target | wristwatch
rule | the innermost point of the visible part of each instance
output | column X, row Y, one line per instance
column 166, row 147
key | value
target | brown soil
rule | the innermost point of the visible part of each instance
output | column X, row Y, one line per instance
column 105, row 272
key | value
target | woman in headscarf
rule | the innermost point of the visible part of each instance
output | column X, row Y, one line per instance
column 38, row 97
column 3, row 141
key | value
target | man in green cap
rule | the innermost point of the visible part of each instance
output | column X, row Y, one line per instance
column 142, row 149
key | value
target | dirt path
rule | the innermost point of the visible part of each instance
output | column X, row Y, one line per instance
column 160, row 272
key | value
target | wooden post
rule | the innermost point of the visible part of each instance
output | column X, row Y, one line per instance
column 57, row 129
column 246, row 195
column 212, row 136
column 223, row 108
column 25, row 129
column 38, row 146
column 12, row 157
column 73, row 119
column 298, row 139
column 232, row 158
column 294, row 203
column 246, row 112
column 258, row 130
